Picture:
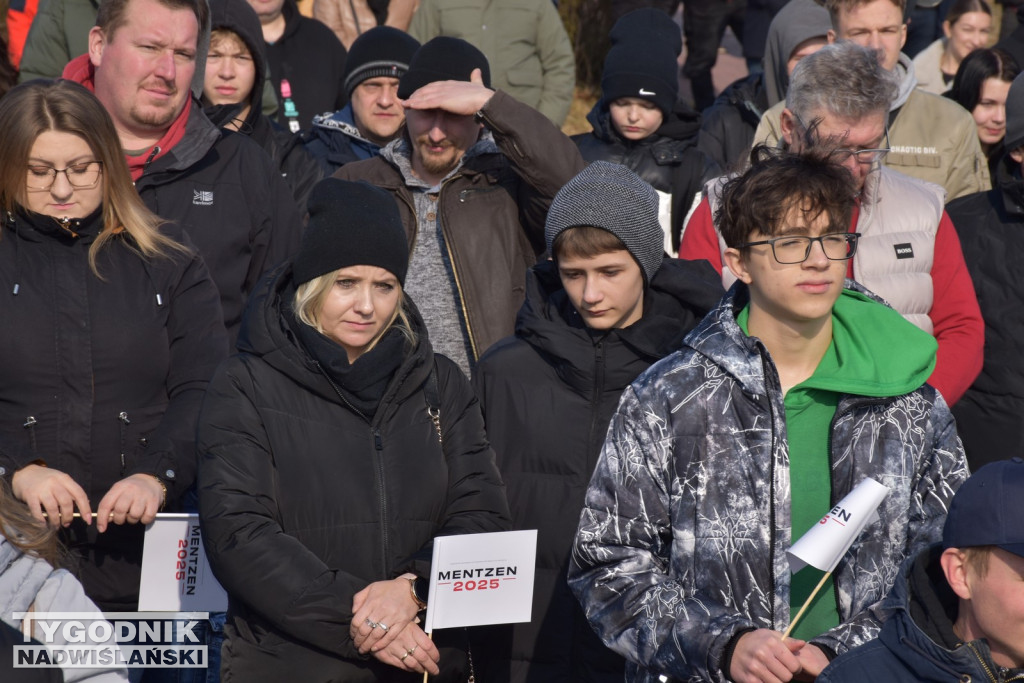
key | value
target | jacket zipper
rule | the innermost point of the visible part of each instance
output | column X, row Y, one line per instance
column 771, row 477
column 123, row 417
column 595, row 396
column 455, row 271
column 378, row 446
column 30, row 425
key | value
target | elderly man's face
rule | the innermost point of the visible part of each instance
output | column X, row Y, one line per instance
column 144, row 70
column 866, row 133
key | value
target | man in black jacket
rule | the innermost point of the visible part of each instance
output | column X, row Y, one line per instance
column 607, row 307
column 219, row 186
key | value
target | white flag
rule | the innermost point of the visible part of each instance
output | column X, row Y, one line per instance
column 478, row 579
column 828, row 540
column 176, row 575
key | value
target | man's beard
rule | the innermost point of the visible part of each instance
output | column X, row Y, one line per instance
column 438, row 164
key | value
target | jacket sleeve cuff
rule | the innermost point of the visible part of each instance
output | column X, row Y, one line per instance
column 730, row 650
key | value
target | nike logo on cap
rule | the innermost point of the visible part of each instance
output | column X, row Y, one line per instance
column 647, row 92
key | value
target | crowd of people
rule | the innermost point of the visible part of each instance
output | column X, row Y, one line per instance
column 332, row 277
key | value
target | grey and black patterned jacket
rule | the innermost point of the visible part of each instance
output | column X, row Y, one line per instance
column 682, row 541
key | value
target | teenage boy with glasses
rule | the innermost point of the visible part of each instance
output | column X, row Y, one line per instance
column 909, row 255
column 794, row 389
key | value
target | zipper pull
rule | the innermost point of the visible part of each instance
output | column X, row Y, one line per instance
column 377, row 441
column 123, row 417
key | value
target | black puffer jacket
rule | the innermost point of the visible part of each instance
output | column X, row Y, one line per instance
column 304, row 502
column 548, row 394
column 991, row 230
column 669, row 159
column 102, row 378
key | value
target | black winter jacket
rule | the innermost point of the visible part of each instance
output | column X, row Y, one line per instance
column 917, row 644
column 304, row 502
column 727, row 127
column 298, row 168
column 228, row 195
column 312, row 59
column 103, row 378
column 991, row 230
column 669, row 159
column 548, row 394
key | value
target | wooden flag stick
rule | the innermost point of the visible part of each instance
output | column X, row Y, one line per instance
column 425, row 674
column 78, row 514
column 807, row 603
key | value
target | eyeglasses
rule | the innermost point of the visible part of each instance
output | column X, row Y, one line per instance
column 80, row 176
column 841, row 155
column 838, row 246
column 863, row 156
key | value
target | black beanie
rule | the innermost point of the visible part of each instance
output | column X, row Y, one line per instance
column 1015, row 115
column 443, row 59
column 645, row 25
column 351, row 224
column 381, row 51
column 643, row 70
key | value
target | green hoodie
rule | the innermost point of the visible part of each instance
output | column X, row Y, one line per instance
column 874, row 352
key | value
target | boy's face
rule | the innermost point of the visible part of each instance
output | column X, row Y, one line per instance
column 635, row 118
column 606, row 290
column 795, row 293
column 230, row 70
column 992, row 604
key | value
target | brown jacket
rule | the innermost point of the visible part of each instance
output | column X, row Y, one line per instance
column 492, row 211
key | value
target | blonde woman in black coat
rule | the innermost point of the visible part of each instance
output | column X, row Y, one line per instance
column 334, row 448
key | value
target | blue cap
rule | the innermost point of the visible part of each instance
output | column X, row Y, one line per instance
column 985, row 511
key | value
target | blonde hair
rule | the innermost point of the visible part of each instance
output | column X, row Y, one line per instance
column 309, row 300
column 39, row 106
column 24, row 531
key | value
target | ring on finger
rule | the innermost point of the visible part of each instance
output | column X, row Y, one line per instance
column 383, row 627
column 402, row 658
column 411, row 649
column 371, row 623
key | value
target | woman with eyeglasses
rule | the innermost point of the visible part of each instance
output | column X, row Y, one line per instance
column 111, row 329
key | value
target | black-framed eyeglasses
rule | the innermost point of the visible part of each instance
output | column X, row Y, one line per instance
column 841, row 155
column 80, row 176
column 838, row 246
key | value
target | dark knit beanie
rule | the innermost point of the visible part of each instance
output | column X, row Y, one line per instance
column 646, row 25
column 613, row 198
column 351, row 224
column 443, row 59
column 381, row 51
column 646, row 71
column 1015, row 115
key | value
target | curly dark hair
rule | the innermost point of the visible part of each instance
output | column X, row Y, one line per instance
column 760, row 199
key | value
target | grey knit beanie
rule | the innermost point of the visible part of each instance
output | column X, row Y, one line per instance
column 1015, row 115
column 613, row 198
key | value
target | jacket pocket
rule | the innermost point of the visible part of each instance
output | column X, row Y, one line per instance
column 135, row 426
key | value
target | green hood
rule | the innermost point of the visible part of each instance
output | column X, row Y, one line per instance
column 878, row 353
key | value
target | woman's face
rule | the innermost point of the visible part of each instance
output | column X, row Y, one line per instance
column 359, row 306
column 990, row 112
column 970, row 32
column 76, row 190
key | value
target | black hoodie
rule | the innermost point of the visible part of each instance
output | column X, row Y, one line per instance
column 298, row 168
column 669, row 159
column 548, row 395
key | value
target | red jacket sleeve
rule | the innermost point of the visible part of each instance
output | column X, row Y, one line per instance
column 956, row 317
column 700, row 240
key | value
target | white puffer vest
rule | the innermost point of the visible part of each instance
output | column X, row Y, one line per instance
column 899, row 217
